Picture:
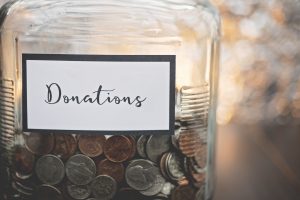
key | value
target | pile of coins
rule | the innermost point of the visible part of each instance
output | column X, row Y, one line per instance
column 66, row 166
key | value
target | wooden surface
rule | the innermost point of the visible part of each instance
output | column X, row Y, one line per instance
column 258, row 163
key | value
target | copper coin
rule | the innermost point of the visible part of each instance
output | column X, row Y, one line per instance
column 113, row 169
column 65, row 146
column 118, row 148
column 185, row 192
column 39, row 143
column 91, row 145
column 23, row 161
column 189, row 143
column 201, row 156
column 133, row 146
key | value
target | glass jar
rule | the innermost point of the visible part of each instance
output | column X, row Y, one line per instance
column 108, row 99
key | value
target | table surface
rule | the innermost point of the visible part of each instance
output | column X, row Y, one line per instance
column 258, row 163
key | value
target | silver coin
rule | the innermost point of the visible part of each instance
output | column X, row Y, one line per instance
column 157, row 186
column 78, row 191
column 140, row 174
column 50, row 169
column 141, row 145
column 157, row 145
column 174, row 167
column 167, row 188
column 80, row 169
column 104, row 187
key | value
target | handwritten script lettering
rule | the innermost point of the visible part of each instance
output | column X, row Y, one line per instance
column 100, row 96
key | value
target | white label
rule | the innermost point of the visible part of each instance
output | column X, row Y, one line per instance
column 98, row 93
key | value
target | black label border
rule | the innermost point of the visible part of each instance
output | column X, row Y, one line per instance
column 113, row 58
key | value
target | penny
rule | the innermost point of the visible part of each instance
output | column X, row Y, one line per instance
column 140, row 174
column 50, row 169
column 157, row 145
column 189, row 143
column 104, row 187
column 184, row 192
column 78, row 191
column 118, row 148
column 91, row 145
column 47, row 192
column 80, row 169
column 157, row 186
column 115, row 170
column 174, row 167
column 141, row 145
column 65, row 146
column 23, row 161
column 39, row 143
column 133, row 146
column 201, row 156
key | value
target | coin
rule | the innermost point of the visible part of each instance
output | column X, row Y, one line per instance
column 23, row 161
column 39, row 143
column 174, row 167
column 47, row 192
column 140, row 174
column 167, row 188
column 133, row 146
column 141, row 145
column 91, row 145
column 50, row 169
column 200, row 194
column 65, row 146
column 157, row 145
column 201, row 156
column 189, row 143
column 185, row 192
column 118, row 148
column 157, row 186
column 115, row 170
column 78, row 191
column 80, row 169
column 104, row 187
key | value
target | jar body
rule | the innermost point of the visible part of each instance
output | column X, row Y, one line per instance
column 188, row 30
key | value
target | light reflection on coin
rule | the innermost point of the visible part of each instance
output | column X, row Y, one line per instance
column 141, row 146
column 158, row 184
column 80, row 169
column 157, row 145
column 39, row 143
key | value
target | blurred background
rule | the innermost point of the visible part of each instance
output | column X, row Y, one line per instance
column 258, row 147
column 258, row 150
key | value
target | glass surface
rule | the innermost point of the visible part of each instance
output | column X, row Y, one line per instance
column 188, row 29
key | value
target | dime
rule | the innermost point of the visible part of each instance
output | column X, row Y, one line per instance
column 141, row 145
column 174, row 167
column 47, row 192
column 118, row 148
column 39, row 143
column 140, row 174
column 184, row 192
column 78, row 191
column 23, row 161
column 157, row 145
column 133, row 146
column 104, row 187
column 50, row 169
column 157, row 186
column 91, row 145
column 80, row 169
column 65, row 146
column 189, row 143
column 115, row 170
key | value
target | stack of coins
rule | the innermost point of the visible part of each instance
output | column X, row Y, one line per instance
column 78, row 167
